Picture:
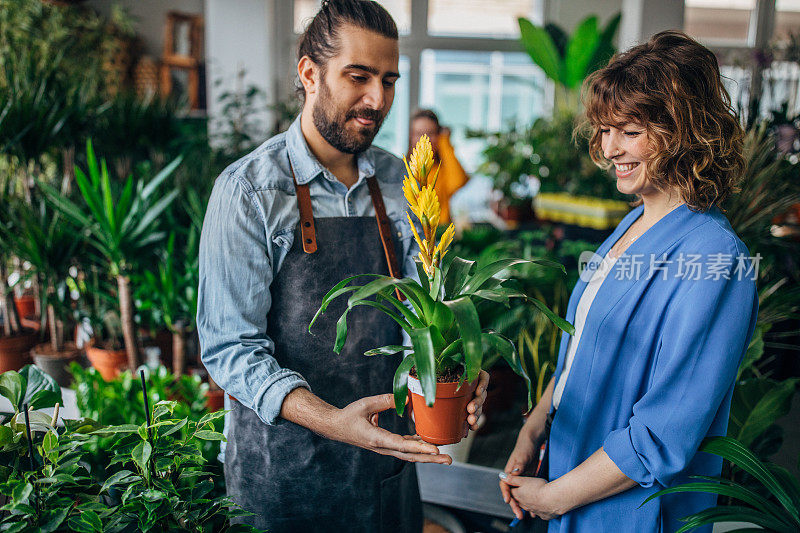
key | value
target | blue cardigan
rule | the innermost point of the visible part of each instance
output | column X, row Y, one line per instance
column 655, row 368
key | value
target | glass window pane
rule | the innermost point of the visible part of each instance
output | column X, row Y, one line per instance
column 486, row 91
column 787, row 19
column 394, row 132
column 718, row 21
column 304, row 11
column 480, row 18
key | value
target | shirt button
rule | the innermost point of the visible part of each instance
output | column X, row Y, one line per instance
column 399, row 233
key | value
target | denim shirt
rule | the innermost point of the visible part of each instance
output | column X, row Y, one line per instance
column 248, row 230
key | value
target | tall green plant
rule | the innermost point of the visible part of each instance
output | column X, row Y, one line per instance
column 567, row 60
column 779, row 513
column 42, row 237
column 121, row 229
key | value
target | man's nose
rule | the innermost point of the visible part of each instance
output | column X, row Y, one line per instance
column 375, row 98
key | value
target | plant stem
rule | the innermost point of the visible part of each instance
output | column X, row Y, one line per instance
column 126, row 317
column 30, row 456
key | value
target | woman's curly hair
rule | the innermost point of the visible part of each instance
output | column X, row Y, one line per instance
column 671, row 85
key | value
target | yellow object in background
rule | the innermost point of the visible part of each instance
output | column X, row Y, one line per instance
column 585, row 211
column 451, row 175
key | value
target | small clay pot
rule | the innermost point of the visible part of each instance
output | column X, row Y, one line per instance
column 446, row 421
column 26, row 306
column 56, row 364
column 108, row 362
column 15, row 350
column 215, row 400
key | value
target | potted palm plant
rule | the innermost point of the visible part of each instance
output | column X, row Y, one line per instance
column 49, row 244
column 122, row 225
column 449, row 346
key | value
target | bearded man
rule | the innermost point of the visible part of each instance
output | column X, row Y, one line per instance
column 306, row 448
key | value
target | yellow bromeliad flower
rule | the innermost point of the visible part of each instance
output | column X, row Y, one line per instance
column 418, row 188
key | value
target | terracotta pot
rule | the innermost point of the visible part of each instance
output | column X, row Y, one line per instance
column 56, row 364
column 15, row 350
column 215, row 400
column 108, row 362
column 26, row 306
column 446, row 421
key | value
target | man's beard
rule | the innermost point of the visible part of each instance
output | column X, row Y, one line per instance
column 332, row 125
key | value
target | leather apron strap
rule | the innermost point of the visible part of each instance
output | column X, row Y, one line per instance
column 384, row 228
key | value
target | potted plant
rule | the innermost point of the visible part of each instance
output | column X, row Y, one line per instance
column 123, row 227
column 449, row 346
column 171, row 294
column 50, row 245
column 15, row 342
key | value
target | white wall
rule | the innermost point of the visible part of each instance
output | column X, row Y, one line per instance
column 239, row 35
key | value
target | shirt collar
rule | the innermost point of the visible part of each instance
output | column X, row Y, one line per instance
column 305, row 165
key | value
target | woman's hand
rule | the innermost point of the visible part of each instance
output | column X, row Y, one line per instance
column 532, row 495
column 525, row 453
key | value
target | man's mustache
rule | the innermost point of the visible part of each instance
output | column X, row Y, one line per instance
column 369, row 114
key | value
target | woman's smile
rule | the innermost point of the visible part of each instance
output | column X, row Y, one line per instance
column 625, row 169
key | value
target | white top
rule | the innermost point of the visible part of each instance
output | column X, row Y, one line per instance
column 584, row 304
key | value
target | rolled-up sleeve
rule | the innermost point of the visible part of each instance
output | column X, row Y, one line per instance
column 233, row 301
column 705, row 334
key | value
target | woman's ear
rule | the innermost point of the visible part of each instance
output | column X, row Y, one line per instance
column 308, row 71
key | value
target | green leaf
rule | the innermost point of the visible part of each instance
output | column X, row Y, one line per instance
column 425, row 361
column 736, row 453
column 40, row 390
column 482, row 275
column 141, row 454
column 420, row 300
column 580, row 51
column 457, row 272
column 387, row 350
column 91, row 518
column 436, row 286
column 400, row 383
column 11, row 387
column 469, row 328
column 562, row 324
column 111, row 430
column 209, row 435
column 541, row 49
column 492, row 342
column 143, row 431
column 115, row 479
column 754, row 351
column 54, row 519
column 153, row 184
column 335, row 292
column 757, row 404
column 209, row 417
column 179, row 425
column 79, row 525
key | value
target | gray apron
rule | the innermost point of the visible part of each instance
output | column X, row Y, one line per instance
column 290, row 478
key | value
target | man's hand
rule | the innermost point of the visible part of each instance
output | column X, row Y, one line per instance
column 475, row 407
column 533, row 495
column 358, row 425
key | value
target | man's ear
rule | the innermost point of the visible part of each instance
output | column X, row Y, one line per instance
column 308, row 72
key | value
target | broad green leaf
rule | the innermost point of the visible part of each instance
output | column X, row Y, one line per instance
column 436, row 286
column 580, row 51
column 469, row 328
column 209, row 417
column 400, row 384
column 141, row 454
column 179, row 425
column 37, row 381
column 153, row 184
column 336, row 291
column 494, row 342
column 11, row 387
column 757, row 404
column 116, row 478
column 476, row 281
column 209, row 435
column 541, row 49
column 425, row 361
column 738, row 454
column 562, row 324
column 458, row 271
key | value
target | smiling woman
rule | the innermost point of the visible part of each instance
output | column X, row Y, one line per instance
column 651, row 367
